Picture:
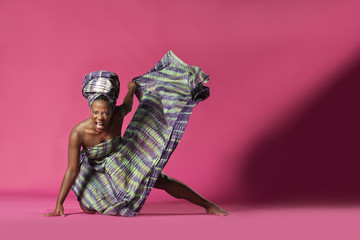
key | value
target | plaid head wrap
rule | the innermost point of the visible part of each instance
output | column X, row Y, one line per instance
column 101, row 83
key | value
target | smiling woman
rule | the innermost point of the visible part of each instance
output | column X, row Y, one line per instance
column 113, row 175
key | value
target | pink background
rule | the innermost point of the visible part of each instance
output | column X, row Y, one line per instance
column 282, row 119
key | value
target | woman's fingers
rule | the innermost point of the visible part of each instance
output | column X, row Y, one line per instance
column 50, row 214
column 55, row 213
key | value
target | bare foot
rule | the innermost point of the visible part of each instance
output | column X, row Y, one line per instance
column 215, row 209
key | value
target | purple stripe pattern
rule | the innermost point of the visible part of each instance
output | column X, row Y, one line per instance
column 101, row 83
column 117, row 176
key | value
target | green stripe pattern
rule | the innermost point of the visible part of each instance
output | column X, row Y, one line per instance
column 117, row 176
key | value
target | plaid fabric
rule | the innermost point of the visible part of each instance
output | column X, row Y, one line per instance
column 101, row 83
column 117, row 176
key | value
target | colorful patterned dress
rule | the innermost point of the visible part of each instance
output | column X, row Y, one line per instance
column 117, row 176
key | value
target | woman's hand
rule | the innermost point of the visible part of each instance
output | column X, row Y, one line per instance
column 59, row 211
column 132, row 86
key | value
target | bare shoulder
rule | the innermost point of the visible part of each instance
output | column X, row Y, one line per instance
column 78, row 132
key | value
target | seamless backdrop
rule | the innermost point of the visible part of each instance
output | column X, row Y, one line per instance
column 282, row 119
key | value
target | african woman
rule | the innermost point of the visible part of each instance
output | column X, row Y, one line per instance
column 114, row 175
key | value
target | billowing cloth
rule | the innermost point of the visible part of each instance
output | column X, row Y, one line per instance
column 117, row 176
column 101, row 83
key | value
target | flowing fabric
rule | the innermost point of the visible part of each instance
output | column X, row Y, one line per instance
column 117, row 176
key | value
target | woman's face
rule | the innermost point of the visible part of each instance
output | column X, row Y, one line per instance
column 101, row 113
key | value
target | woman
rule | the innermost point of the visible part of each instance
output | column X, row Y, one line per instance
column 115, row 175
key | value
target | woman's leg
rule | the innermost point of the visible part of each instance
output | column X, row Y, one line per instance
column 179, row 190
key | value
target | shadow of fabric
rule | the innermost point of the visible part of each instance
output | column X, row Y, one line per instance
column 316, row 156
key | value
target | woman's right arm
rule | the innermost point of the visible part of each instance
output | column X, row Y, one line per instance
column 71, row 173
column 126, row 106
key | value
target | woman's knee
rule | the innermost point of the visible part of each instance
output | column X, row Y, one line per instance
column 85, row 210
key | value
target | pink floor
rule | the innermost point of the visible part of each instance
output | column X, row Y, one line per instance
column 21, row 218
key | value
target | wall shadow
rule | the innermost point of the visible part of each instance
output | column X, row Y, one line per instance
column 316, row 157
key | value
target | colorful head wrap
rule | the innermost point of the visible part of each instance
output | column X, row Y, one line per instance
column 101, row 83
